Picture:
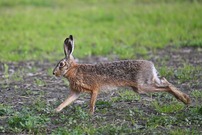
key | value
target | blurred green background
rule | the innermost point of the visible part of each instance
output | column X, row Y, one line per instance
column 36, row 29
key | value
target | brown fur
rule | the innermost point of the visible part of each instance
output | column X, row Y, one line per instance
column 140, row 75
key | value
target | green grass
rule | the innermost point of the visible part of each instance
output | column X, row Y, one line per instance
column 75, row 120
column 27, row 121
column 36, row 29
column 167, row 108
column 126, row 95
column 187, row 73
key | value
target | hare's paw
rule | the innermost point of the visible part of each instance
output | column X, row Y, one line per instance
column 187, row 99
column 57, row 110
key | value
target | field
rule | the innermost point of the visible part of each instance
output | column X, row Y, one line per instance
column 169, row 33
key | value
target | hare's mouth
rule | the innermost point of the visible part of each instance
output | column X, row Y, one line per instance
column 56, row 74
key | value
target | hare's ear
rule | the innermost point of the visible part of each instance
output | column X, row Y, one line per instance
column 68, row 46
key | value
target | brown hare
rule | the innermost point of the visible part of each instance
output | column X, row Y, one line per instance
column 140, row 75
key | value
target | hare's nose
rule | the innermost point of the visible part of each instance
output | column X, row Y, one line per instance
column 53, row 73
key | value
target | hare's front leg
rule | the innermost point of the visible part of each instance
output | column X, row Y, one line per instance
column 72, row 97
column 92, row 101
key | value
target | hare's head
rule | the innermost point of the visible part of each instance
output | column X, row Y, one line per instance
column 63, row 65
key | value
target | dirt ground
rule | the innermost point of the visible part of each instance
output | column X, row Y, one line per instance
column 27, row 81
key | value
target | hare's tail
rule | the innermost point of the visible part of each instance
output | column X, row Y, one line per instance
column 177, row 93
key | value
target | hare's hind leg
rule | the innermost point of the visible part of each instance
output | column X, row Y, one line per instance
column 165, row 86
column 72, row 97
column 92, row 101
column 152, row 88
column 177, row 93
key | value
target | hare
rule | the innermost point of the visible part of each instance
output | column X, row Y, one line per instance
column 140, row 75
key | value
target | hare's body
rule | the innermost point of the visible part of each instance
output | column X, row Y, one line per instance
column 83, row 77
column 140, row 75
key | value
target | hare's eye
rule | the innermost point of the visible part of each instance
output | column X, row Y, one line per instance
column 61, row 64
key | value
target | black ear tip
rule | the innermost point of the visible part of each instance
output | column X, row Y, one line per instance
column 71, row 37
column 66, row 40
